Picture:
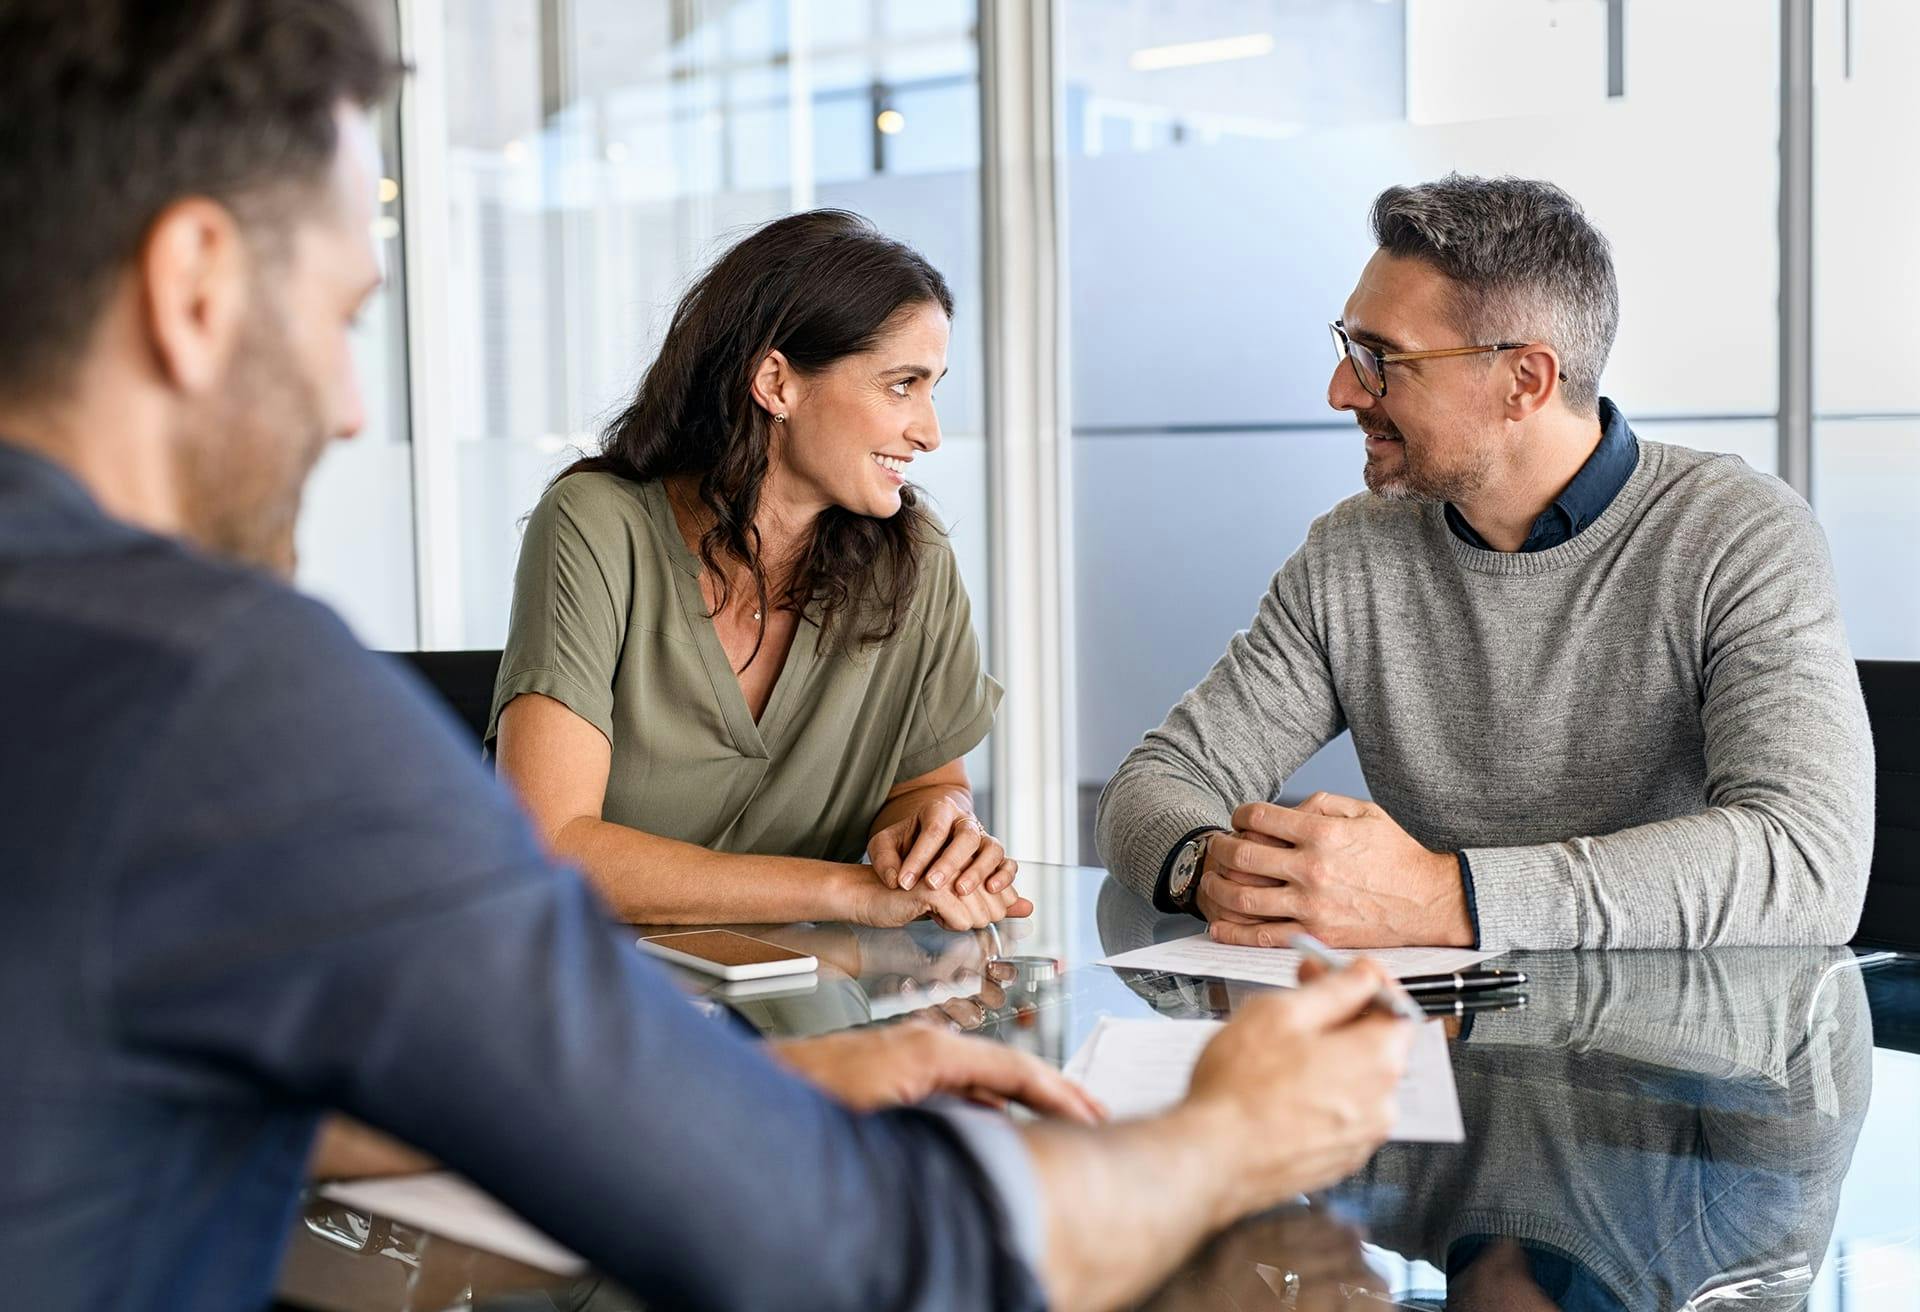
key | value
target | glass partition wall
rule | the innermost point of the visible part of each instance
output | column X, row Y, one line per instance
column 569, row 164
column 1221, row 161
column 578, row 162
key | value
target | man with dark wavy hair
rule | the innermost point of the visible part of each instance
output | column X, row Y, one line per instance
column 1599, row 686
column 249, row 877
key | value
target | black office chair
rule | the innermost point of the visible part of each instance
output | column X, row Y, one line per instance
column 1892, row 914
column 464, row 680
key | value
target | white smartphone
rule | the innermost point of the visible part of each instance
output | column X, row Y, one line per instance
column 765, row 990
column 727, row 955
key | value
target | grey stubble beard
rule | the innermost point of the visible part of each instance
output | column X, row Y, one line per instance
column 1428, row 487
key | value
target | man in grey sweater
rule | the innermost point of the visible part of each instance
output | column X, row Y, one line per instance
column 1599, row 686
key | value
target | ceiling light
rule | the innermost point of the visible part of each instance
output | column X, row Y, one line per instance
column 1187, row 54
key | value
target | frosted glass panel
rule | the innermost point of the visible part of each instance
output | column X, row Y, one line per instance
column 1223, row 157
column 1866, row 334
column 1867, row 178
column 1756, row 441
column 1177, row 538
column 355, row 539
column 600, row 153
column 596, row 165
column 1866, row 483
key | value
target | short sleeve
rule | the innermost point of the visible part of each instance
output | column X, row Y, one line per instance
column 572, row 593
column 956, row 699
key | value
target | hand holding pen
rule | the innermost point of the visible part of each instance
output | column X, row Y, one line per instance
column 1391, row 998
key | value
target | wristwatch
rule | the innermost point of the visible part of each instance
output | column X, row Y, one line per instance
column 1184, row 868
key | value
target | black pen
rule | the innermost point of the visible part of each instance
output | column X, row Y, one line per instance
column 1463, row 981
column 1456, row 1005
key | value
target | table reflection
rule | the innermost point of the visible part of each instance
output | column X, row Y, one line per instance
column 1654, row 1130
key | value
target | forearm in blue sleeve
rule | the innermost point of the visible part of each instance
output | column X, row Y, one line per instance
column 338, row 907
column 517, row 1040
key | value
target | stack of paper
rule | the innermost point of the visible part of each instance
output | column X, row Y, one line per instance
column 1200, row 955
column 1142, row 1067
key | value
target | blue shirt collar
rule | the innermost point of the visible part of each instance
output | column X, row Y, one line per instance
column 1586, row 498
column 44, row 509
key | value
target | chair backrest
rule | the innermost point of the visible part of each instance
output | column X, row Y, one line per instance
column 1892, row 914
column 464, row 680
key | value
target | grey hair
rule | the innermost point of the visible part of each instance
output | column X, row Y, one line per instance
column 1526, row 264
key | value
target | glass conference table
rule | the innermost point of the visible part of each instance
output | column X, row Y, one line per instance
column 1726, row 1128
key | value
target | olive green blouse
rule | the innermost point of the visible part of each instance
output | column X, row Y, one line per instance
column 608, row 618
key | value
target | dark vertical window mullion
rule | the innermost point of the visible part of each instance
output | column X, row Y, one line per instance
column 1616, row 49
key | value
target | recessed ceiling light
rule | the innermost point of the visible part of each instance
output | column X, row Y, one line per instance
column 1185, row 55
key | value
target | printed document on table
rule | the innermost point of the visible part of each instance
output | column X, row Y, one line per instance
column 450, row 1206
column 1141, row 1067
column 1200, row 955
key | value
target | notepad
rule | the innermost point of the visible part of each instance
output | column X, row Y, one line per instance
column 1200, row 955
column 1141, row 1067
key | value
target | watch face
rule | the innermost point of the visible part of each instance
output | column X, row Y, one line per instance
column 1185, row 867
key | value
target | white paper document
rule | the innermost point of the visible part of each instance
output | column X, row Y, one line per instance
column 1141, row 1067
column 453, row 1207
column 1200, row 955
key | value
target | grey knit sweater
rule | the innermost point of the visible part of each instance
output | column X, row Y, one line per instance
column 1651, row 735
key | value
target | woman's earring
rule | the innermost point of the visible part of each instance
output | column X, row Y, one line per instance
column 780, row 418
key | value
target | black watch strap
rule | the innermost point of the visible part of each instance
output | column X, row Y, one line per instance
column 1162, row 893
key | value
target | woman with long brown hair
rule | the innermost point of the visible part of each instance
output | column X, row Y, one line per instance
column 741, row 657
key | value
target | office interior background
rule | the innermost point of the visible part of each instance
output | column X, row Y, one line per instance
column 1148, row 211
column 557, row 170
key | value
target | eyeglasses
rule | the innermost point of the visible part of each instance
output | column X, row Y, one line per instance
column 1370, row 366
